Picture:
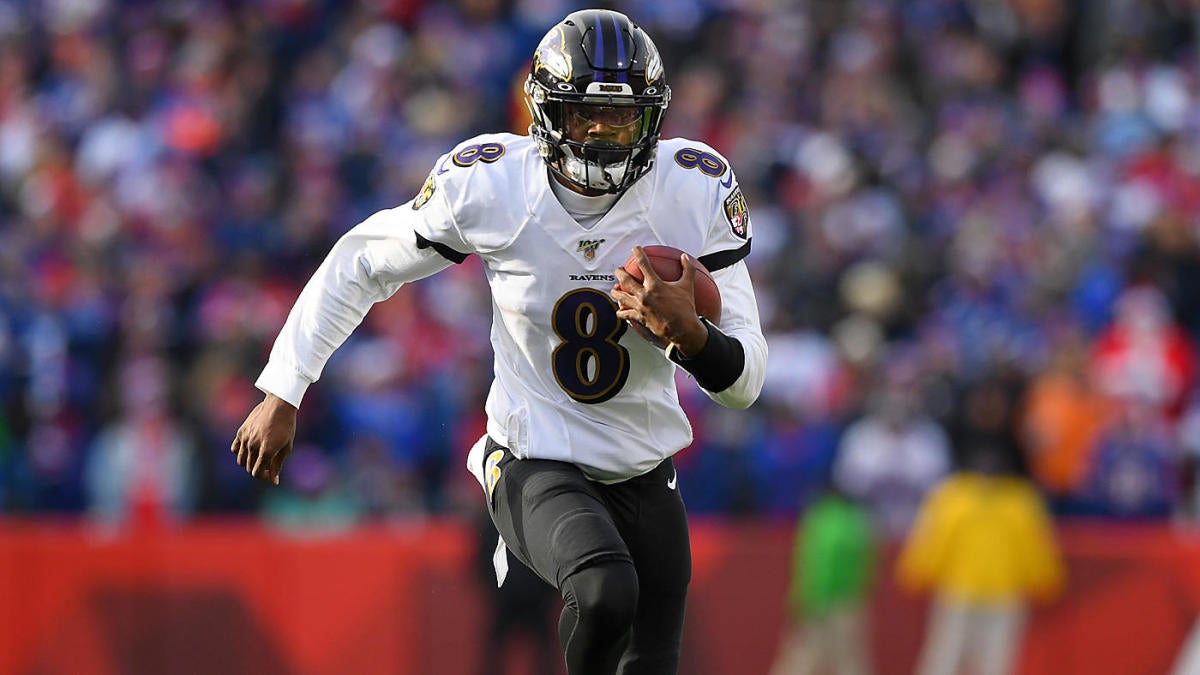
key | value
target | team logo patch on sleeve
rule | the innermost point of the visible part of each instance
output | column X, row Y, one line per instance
column 737, row 213
column 425, row 194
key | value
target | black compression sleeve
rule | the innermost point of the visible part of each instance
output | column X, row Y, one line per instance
column 719, row 363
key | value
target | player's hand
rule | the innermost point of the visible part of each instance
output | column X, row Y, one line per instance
column 666, row 308
column 265, row 438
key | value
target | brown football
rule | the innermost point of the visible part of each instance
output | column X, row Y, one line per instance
column 668, row 267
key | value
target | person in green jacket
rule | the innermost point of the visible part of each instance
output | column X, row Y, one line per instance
column 833, row 565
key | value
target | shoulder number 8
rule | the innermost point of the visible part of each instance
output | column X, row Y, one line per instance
column 708, row 163
column 480, row 152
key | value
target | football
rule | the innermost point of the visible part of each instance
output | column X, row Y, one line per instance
column 666, row 263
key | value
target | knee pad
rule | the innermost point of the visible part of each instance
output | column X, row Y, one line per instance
column 605, row 595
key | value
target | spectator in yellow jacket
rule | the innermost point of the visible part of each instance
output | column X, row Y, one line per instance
column 983, row 543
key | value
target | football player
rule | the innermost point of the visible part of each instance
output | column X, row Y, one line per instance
column 583, row 415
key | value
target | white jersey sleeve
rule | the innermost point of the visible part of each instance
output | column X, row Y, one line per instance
column 739, row 320
column 368, row 264
column 731, row 234
column 705, row 180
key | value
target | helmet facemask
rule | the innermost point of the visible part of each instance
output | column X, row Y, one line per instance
column 605, row 163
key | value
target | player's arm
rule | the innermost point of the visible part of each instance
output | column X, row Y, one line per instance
column 368, row 264
column 732, row 365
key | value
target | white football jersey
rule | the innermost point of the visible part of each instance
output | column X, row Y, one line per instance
column 572, row 382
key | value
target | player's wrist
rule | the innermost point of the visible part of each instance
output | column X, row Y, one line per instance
column 278, row 403
column 718, row 364
column 691, row 340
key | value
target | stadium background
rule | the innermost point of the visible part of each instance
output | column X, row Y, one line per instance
column 943, row 193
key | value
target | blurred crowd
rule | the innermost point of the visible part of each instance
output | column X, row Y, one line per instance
column 944, row 193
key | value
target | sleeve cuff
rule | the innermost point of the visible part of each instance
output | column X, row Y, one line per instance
column 284, row 382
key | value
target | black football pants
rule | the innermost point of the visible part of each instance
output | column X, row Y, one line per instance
column 619, row 554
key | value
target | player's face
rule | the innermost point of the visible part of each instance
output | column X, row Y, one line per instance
column 614, row 124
